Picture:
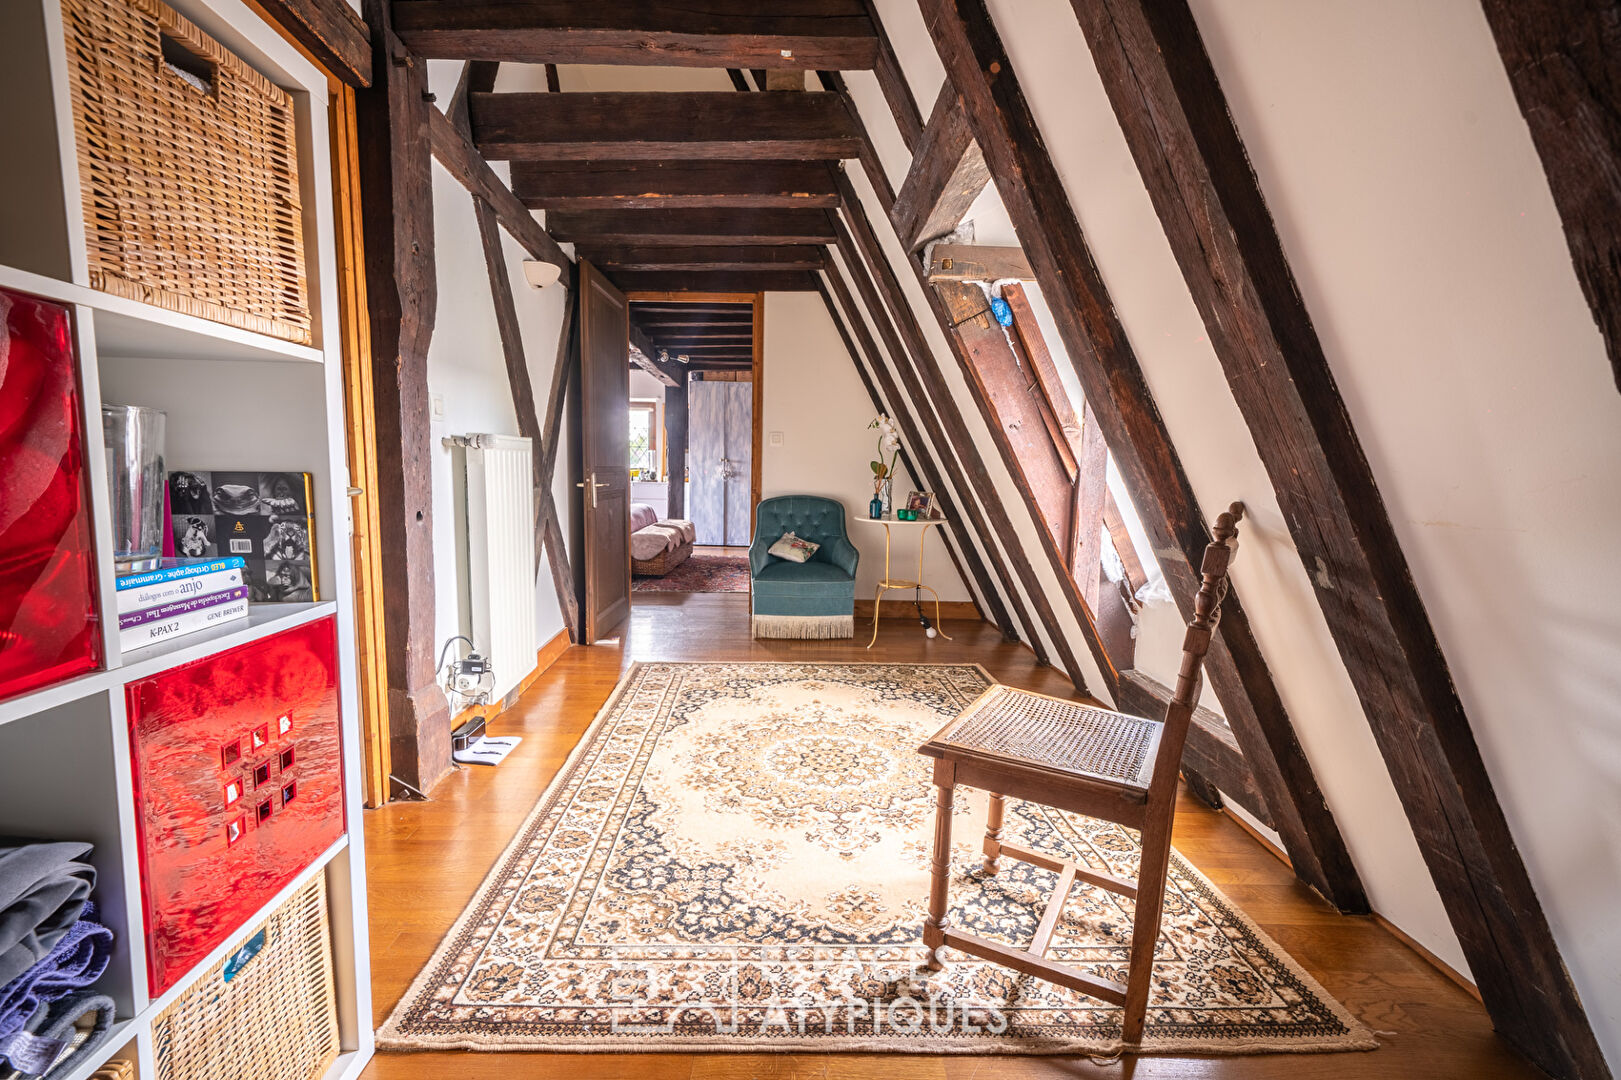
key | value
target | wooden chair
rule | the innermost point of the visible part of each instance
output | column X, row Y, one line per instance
column 1070, row 756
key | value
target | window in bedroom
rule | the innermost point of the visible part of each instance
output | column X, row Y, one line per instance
column 644, row 440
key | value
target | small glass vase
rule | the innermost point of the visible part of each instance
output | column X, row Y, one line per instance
column 133, row 438
column 886, row 492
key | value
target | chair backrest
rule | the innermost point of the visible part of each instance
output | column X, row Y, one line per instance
column 810, row 517
column 1218, row 556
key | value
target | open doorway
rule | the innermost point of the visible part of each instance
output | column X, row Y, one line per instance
column 694, row 440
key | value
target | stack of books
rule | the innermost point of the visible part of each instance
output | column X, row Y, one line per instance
column 181, row 597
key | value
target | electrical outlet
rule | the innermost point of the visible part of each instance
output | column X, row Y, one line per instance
column 438, row 406
column 776, row 438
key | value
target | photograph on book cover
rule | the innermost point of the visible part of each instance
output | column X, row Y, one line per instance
column 263, row 517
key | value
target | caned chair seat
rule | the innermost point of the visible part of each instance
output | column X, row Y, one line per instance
column 1064, row 736
column 1077, row 757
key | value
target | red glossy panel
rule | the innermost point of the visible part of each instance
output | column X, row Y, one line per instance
column 206, row 866
column 48, row 624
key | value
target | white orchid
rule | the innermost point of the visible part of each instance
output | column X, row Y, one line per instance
column 889, row 442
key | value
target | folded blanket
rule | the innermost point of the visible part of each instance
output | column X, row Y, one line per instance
column 688, row 530
column 43, row 890
column 74, row 964
column 58, row 1035
column 654, row 540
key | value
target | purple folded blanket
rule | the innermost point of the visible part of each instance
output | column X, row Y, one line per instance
column 73, row 964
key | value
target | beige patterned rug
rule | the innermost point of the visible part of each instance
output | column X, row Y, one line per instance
column 736, row 857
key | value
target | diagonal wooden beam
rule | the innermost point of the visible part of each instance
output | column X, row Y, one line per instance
column 396, row 174
column 331, row 32
column 464, row 162
column 1170, row 105
column 705, row 126
column 548, row 533
column 858, row 241
column 897, row 91
column 920, row 459
column 653, row 185
column 716, row 33
column 1131, row 425
column 947, row 174
column 1561, row 61
column 689, row 228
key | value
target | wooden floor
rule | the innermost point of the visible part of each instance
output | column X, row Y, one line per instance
column 424, row 861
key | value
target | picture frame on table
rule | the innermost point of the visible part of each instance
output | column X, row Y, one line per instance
column 922, row 503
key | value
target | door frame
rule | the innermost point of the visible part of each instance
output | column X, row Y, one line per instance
column 757, row 372
column 589, row 277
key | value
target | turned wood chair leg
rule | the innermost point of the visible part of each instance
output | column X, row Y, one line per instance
column 934, row 927
column 1145, row 926
column 993, row 834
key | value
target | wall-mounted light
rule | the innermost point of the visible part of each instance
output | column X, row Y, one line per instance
column 541, row 274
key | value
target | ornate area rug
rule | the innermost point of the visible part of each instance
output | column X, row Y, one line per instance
column 736, row 857
column 700, row 573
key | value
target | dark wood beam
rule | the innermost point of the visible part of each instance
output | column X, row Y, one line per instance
column 745, row 257
column 707, row 281
column 916, row 455
column 717, row 33
column 478, row 76
column 706, row 126
column 858, row 241
column 738, row 336
column 564, row 581
column 462, row 161
column 947, row 174
column 1113, row 383
column 330, row 31
column 396, row 174
column 689, row 228
column 675, row 449
column 1171, row 108
column 650, row 185
column 897, row 91
column 976, row 262
column 1561, row 61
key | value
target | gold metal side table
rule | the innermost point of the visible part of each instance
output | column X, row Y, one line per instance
column 887, row 583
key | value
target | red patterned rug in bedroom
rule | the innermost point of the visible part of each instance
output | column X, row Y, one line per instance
column 700, row 573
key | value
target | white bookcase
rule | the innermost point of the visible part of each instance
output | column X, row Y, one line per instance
column 234, row 399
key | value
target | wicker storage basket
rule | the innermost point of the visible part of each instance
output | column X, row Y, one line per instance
column 259, row 1015
column 188, row 168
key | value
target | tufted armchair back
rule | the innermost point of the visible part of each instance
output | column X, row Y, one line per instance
column 810, row 517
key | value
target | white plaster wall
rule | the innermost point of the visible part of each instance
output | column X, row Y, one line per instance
column 815, row 400
column 467, row 374
column 1425, row 241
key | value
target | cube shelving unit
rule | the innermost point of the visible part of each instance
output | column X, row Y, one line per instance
column 235, row 400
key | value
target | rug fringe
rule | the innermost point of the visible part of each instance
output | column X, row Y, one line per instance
column 802, row 626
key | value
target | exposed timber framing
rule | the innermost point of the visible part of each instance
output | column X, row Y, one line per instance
column 548, row 532
column 858, row 241
column 977, row 262
column 1131, row 425
column 331, row 32
column 714, row 257
column 947, row 174
column 396, row 175
column 654, row 185
column 689, row 228
column 1561, row 61
column 709, row 281
column 897, row 91
column 1170, row 105
column 675, row 449
column 717, row 33
column 707, row 126
column 919, row 460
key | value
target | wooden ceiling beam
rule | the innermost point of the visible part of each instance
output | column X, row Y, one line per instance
column 718, row 33
column 331, row 32
column 690, row 228
column 705, row 126
column 648, row 185
column 975, row 262
column 1171, row 108
column 947, row 174
column 704, row 281
column 743, row 257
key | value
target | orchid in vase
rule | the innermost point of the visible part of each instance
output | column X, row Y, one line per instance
column 883, row 475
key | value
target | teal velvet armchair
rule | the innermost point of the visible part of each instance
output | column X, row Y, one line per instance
column 812, row 599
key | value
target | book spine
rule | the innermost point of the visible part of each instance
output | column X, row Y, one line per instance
column 309, row 531
column 181, row 607
column 167, row 592
column 150, row 633
column 175, row 573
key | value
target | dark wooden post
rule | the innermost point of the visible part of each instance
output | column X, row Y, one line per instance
column 396, row 183
column 675, row 448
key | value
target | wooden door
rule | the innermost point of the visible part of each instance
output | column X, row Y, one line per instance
column 605, row 451
column 738, row 470
column 706, row 454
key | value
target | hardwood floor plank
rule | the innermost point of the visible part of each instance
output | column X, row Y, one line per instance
column 426, row 859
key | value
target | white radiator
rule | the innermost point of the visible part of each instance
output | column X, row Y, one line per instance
column 501, row 555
